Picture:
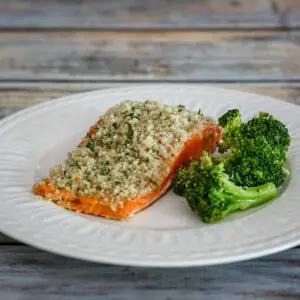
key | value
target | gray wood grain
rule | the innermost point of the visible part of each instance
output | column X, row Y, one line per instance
column 27, row 273
column 149, row 14
column 159, row 55
column 18, row 95
column 38, row 65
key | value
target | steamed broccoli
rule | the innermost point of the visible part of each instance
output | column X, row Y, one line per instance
column 257, row 149
column 246, row 172
column 274, row 131
column 212, row 195
column 181, row 181
column 184, row 176
column 231, row 122
column 232, row 118
column 255, row 162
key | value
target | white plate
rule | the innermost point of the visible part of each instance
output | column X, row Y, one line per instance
column 167, row 233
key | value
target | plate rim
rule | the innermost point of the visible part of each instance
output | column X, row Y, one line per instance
column 155, row 263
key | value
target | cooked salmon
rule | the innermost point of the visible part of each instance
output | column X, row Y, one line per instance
column 127, row 159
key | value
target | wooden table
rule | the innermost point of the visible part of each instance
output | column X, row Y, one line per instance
column 53, row 48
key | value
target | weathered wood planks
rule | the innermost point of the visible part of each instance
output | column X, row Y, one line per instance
column 47, row 51
column 150, row 14
column 27, row 273
column 151, row 55
column 15, row 96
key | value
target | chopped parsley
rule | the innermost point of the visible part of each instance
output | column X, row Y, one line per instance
column 181, row 107
column 91, row 145
column 129, row 134
column 115, row 125
column 104, row 171
column 153, row 182
column 134, row 114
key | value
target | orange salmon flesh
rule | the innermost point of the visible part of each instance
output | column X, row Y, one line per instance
column 206, row 140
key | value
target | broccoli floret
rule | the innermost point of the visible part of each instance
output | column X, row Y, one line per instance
column 274, row 131
column 212, row 195
column 244, row 174
column 256, row 150
column 232, row 118
column 181, row 181
column 230, row 122
column 255, row 162
column 205, row 162
column 184, row 175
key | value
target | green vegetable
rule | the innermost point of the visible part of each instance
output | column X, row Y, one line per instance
column 129, row 133
column 255, row 162
column 182, row 179
column 115, row 125
column 133, row 114
column 181, row 107
column 185, row 175
column 246, row 173
column 231, row 122
column 212, row 195
column 274, row 131
column 104, row 171
column 153, row 182
column 91, row 145
column 257, row 149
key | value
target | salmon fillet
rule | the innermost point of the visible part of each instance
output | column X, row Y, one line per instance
column 122, row 174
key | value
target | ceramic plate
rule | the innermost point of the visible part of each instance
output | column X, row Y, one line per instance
column 166, row 234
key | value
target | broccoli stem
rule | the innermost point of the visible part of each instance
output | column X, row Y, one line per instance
column 249, row 197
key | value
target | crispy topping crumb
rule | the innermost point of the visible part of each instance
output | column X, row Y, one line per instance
column 128, row 152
